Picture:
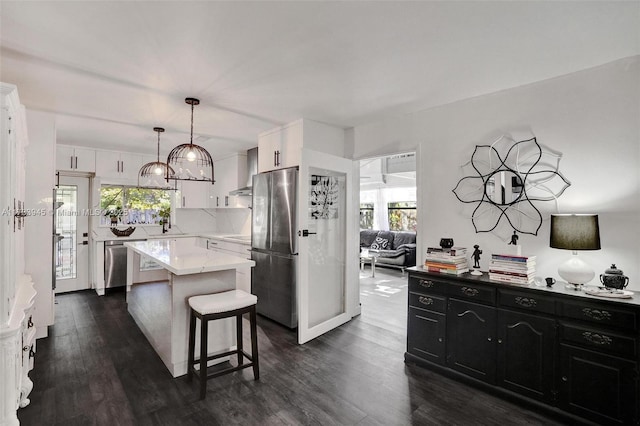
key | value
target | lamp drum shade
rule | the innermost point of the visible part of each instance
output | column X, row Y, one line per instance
column 575, row 232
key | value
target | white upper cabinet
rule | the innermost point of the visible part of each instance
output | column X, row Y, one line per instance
column 75, row 159
column 280, row 148
column 230, row 174
column 195, row 195
column 122, row 166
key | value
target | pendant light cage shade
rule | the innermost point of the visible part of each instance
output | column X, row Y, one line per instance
column 153, row 175
column 191, row 162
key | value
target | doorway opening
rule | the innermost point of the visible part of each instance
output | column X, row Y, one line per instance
column 388, row 225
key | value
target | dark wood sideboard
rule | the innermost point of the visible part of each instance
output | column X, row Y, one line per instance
column 574, row 355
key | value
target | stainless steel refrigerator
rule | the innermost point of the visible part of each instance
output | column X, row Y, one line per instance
column 274, row 246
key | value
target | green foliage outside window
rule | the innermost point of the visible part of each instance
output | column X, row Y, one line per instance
column 134, row 205
column 402, row 216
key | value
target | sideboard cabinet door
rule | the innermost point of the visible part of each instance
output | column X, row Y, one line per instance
column 426, row 335
column 471, row 346
column 597, row 386
column 525, row 354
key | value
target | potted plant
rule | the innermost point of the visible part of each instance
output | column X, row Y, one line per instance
column 165, row 218
column 114, row 214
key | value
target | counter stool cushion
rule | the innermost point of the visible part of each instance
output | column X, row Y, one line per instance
column 222, row 302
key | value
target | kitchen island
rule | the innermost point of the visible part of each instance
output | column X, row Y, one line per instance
column 160, row 308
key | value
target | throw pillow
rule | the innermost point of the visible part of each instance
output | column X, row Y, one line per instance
column 380, row 244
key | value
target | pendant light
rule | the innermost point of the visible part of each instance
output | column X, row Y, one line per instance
column 154, row 174
column 191, row 162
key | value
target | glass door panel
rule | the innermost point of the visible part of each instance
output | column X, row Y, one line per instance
column 66, row 229
column 326, row 209
column 72, row 229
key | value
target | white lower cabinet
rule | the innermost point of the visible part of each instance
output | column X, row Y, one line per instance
column 243, row 275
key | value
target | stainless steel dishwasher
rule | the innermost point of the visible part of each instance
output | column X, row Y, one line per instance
column 115, row 264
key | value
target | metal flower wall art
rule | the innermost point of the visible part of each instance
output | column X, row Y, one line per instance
column 504, row 180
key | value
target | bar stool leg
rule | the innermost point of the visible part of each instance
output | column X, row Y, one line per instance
column 254, row 343
column 239, row 339
column 204, row 333
column 192, row 344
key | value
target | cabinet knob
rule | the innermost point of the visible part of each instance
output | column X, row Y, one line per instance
column 527, row 302
column 598, row 339
column 500, row 341
column 597, row 314
column 426, row 283
column 468, row 291
column 564, row 379
column 425, row 300
column 440, row 339
column 489, row 339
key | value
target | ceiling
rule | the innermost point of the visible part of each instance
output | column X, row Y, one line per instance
column 112, row 70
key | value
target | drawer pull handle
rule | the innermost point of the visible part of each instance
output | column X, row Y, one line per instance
column 426, row 283
column 597, row 314
column 471, row 292
column 32, row 353
column 598, row 339
column 425, row 300
column 30, row 322
column 526, row 302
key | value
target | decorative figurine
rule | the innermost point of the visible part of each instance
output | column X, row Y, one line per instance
column 476, row 260
column 514, row 239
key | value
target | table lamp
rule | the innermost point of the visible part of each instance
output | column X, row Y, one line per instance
column 575, row 232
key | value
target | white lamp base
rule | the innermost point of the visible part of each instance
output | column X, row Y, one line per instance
column 576, row 272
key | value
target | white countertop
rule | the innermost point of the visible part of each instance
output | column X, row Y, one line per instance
column 232, row 238
column 137, row 236
column 183, row 256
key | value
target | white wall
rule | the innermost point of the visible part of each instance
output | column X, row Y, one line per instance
column 592, row 117
column 39, row 181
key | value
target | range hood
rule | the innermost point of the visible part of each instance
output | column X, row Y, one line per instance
column 252, row 169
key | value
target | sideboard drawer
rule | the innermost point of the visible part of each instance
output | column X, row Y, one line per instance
column 429, row 302
column 603, row 340
column 526, row 301
column 606, row 315
column 427, row 285
column 472, row 292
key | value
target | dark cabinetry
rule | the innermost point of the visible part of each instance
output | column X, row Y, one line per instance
column 525, row 354
column 470, row 335
column 597, row 386
column 556, row 348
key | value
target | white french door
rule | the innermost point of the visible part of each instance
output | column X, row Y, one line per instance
column 325, row 210
column 72, row 228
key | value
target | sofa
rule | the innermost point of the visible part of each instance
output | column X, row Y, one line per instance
column 396, row 249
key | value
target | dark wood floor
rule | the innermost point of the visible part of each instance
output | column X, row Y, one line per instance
column 97, row 368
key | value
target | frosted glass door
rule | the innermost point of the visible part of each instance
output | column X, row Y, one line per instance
column 325, row 207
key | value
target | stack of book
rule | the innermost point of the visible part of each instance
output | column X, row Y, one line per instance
column 512, row 269
column 447, row 261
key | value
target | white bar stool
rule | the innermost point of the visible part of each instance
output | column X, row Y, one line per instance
column 209, row 307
